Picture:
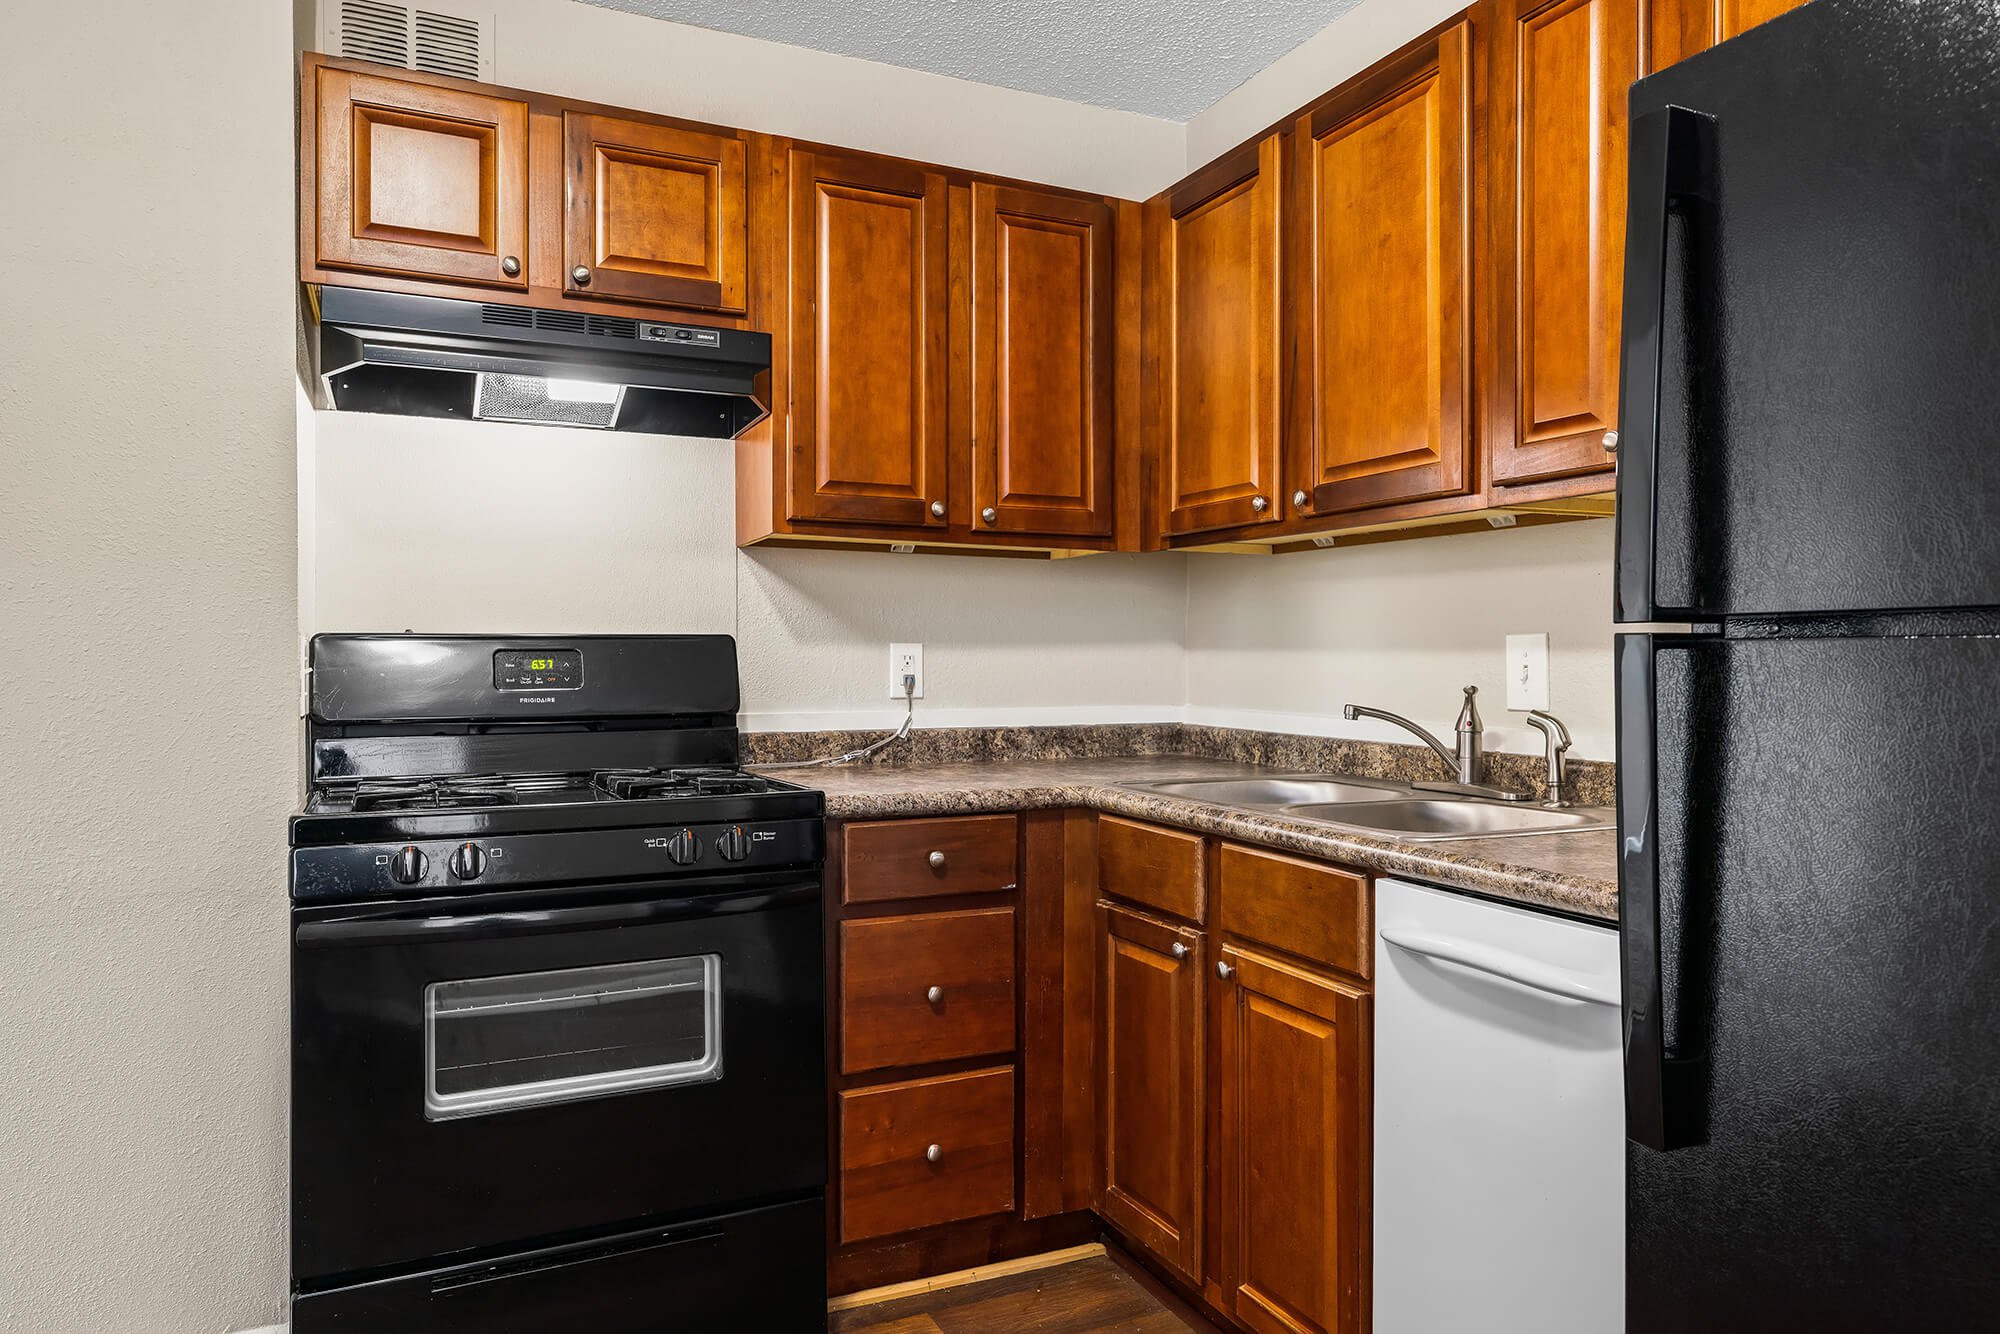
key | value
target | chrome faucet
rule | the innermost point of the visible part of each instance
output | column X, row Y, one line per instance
column 1555, row 738
column 1467, row 763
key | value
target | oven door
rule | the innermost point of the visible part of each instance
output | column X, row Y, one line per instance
column 473, row 1073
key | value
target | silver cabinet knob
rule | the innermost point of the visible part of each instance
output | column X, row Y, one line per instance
column 989, row 515
column 511, row 266
column 1300, row 500
column 933, row 1153
column 1259, row 504
column 936, row 859
column 937, row 509
column 1178, row 949
column 1224, row 969
column 1611, row 442
column 935, row 995
column 580, row 275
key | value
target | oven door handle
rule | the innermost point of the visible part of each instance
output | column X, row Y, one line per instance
column 428, row 929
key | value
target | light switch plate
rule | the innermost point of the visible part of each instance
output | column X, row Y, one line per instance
column 905, row 659
column 1527, row 672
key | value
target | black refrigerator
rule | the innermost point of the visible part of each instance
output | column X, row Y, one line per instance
column 1809, row 758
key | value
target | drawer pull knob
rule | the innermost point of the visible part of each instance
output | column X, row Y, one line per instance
column 1178, row 949
column 1224, row 970
column 935, row 995
column 936, row 860
column 933, row 1153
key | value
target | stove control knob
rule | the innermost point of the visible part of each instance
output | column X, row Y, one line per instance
column 733, row 843
column 409, row 865
column 467, row 861
column 684, row 848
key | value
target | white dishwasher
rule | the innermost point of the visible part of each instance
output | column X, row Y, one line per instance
column 1499, row 1119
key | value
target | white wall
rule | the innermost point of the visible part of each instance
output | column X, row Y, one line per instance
column 148, row 599
column 1284, row 641
column 442, row 527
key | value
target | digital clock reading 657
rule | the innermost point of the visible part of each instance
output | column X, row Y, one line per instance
column 538, row 669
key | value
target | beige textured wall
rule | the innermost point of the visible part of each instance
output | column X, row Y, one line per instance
column 147, row 736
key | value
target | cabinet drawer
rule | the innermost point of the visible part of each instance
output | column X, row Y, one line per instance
column 1160, row 868
column 1303, row 908
column 891, row 966
column 914, row 859
column 925, row 1152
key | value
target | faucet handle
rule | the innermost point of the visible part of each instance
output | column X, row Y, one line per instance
column 1468, row 713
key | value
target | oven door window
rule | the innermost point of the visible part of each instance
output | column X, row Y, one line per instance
column 493, row 1044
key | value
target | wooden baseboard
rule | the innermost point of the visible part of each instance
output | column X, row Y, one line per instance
column 959, row 1278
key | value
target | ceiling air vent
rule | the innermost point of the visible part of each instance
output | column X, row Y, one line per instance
column 433, row 39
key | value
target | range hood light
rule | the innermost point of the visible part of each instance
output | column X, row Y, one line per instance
column 533, row 399
column 581, row 391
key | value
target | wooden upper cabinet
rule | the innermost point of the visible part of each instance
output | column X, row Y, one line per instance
column 868, row 348
column 1150, row 1046
column 1293, row 1151
column 654, row 214
column 1385, row 177
column 1680, row 28
column 420, row 180
column 1213, row 331
column 1042, row 362
column 1561, row 72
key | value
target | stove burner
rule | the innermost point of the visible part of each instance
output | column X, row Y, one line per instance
column 468, row 791
column 641, row 784
column 460, row 792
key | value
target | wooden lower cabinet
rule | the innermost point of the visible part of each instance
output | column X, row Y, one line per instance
column 1152, row 1058
column 1292, row 1152
column 1169, row 1031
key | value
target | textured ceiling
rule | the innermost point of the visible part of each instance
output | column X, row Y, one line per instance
column 1167, row 58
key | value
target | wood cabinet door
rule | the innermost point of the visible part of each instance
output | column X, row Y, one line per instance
column 1151, row 1049
column 1385, row 179
column 1560, row 73
column 1214, row 330
column 1042, row 362
column 1293, row 1129
column 416, row 179
column 869, row 294
column 652, row 213
column 1680, row 28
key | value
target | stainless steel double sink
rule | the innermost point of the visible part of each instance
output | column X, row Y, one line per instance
column 1383, row 807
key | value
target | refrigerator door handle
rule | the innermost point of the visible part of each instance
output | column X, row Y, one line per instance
column 1666, row 169
column 1663, row 1093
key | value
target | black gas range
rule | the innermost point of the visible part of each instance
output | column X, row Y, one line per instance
column 558, row 995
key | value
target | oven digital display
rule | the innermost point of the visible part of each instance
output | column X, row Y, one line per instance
column 537, row 669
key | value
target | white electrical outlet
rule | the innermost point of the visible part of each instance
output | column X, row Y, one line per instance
column 905, row 660
column 1527, row 672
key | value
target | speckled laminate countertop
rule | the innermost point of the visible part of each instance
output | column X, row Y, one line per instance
column 1574, row 873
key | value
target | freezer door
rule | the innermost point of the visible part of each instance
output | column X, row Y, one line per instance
column 1811, row 935
column 1812, row 319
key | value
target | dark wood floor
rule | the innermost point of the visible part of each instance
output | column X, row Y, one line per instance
column 1090, row 1296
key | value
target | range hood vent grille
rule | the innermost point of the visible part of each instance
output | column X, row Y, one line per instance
column 561, row 321
column 437, row 41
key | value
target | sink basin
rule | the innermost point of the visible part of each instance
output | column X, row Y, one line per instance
column 1287, row 791
column 1424, row 820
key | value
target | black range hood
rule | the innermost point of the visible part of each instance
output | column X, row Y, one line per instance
column 427, row 356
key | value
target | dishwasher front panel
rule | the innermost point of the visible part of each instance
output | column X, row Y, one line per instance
column 1499, row 1119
